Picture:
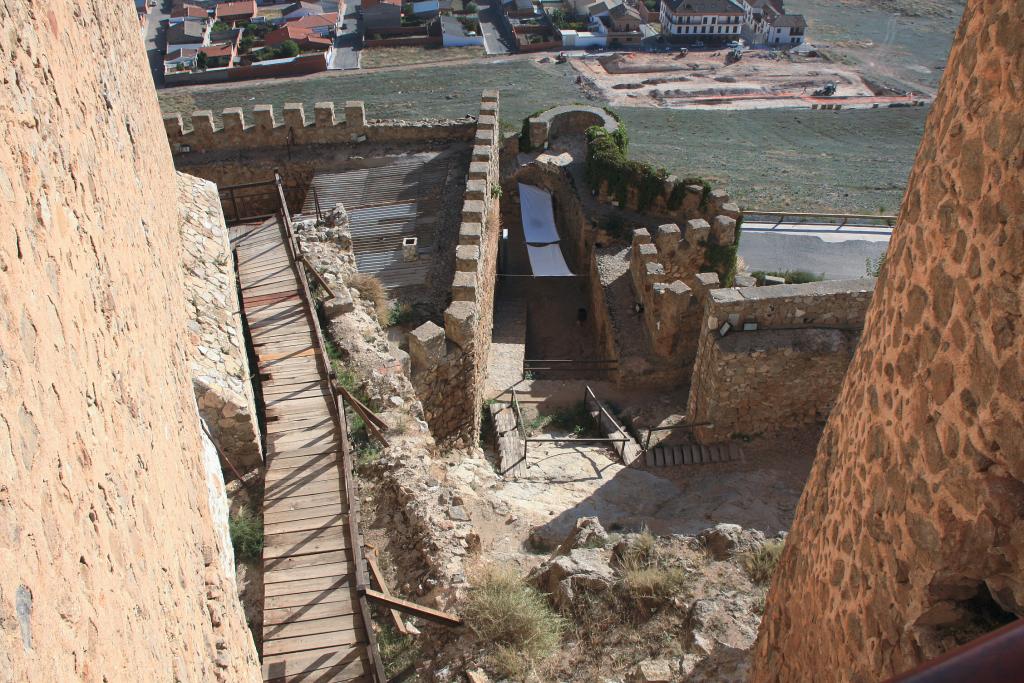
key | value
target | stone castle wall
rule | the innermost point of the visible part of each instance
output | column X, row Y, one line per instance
column 220, row 367
column 113, row 557
column 785, row 372
column 449, row 364
column 295, row 130
column 908, row 537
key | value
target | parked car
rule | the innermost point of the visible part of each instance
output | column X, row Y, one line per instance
column 699, row 43
column 683, row 51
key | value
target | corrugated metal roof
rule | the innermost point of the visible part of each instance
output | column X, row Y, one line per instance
column 387, row 203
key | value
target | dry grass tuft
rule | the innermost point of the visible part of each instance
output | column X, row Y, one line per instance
column 515, row 619
column 372, row 290
column 760, row 564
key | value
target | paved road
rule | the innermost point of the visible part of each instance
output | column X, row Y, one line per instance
column 829, row 232
column 346, row 45
column 156, row 28
column 496, row 38
column 837, row 259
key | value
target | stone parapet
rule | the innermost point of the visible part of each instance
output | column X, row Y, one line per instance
column 236, row 133
column 450, row 384
column 774, row 357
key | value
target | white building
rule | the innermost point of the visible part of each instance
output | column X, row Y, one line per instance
column 785, row 30
column 702, row 19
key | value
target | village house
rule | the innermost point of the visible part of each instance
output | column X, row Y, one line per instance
column 324, row 25
column 183, row 12
column 306, row 38
column 716, row 20
column 236, row 12
column 378, row 14
column 624, row 25
column 785, row 30
column 184, row 35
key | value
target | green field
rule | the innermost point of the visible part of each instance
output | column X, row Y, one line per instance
column 814, row 160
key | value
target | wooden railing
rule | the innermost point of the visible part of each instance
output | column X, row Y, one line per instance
column 340, row 417
column 253, row 201
column 808, row 216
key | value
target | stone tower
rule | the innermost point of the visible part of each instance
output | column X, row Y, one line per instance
column 909, row 537
column 111, row 564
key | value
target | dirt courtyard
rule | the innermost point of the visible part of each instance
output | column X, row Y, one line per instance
column 517, row 518
column 703, row 80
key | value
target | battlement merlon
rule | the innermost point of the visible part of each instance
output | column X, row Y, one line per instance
column 293, row 128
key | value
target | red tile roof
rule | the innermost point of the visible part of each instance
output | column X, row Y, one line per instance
column 236, row 9
column 315, row 20
column 297, row 33
column 189, row 11
column 221, row 50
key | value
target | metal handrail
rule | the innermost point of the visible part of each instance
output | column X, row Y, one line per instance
column 337, row 409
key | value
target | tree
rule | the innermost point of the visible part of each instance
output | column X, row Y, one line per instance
column 201, row 61
column 246, row 44
column 289, row 48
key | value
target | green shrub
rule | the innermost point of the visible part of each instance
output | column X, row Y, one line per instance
column 607, row 163
column 645, row 572
column 573, row 419
column 400, row 314
column 721, row 258
column 246, row 529
column 397, row 652
column 513, row 618
column 761, row 562
column 873, row 267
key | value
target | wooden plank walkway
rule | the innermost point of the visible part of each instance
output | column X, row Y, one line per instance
column 312, row 626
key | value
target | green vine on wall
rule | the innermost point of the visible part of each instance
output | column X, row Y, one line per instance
column 721, row 258
column 607, row 163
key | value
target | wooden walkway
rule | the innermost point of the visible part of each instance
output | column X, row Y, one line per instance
column 313, row 628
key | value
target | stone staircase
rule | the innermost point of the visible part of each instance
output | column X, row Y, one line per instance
column 695, row 454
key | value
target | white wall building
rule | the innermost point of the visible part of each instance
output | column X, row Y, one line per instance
column 701, row 19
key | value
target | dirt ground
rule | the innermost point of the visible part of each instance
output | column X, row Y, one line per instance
column 516, row 519
column 761, row 79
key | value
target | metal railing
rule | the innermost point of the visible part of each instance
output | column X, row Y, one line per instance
column 340, row 417
column 550, row 368
column 805, row 216
column 588, row 394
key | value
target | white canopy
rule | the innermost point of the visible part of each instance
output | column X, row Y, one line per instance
column 547, row 261
column 538, row 216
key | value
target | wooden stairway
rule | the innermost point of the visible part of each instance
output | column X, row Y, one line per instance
column 313, row 628
column 669, row 456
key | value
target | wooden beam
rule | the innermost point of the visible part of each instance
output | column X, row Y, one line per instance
column 371, row 560
column 414, row 609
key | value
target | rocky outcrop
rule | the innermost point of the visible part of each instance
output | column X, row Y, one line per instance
column 722, row 541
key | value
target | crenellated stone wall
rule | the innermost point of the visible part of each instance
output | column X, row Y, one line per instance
column 908, row 537
column 114, row 561
column 449, row 363
column 781, row 360
column 666, row 279
column 295, row 129
column 220, row 366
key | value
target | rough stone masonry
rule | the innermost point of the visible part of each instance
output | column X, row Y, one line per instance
column 220, row 368
column 109, row 552
column 909, row 536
